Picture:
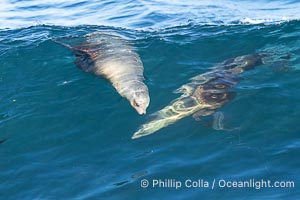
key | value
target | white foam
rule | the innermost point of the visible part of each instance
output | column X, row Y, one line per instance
column 248, row 20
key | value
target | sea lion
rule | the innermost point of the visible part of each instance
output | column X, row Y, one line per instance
column 203, row 95
column 113, row 58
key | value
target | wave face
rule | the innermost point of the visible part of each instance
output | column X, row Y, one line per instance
column 65, row 134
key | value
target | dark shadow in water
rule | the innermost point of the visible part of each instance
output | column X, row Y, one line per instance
column 140, row 174
column 3, row 140
column 137, row 175
column 3, row 116
column 121, row 183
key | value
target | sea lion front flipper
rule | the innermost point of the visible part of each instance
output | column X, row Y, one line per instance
column 200, row 79
column 218, row 118
column 218, row 122
column 85, row 53
column 185, row 89
column 204, row 112
column 83, row 61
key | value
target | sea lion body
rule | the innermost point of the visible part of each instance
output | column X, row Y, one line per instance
column 203, row 95
column 113, row 58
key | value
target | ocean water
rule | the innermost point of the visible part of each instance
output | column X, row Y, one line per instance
column 66, row 134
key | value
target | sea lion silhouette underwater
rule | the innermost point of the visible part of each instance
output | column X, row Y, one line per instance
column 113, row 58
column 203, row 95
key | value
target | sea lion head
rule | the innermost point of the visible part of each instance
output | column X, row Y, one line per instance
column 140, row 100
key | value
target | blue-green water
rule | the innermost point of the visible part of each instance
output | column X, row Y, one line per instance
column 66, row 134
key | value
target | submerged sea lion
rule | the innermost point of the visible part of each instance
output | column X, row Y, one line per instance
column 113, row 58
column 203, row 95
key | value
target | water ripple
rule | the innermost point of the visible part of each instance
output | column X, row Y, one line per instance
column 142, row 13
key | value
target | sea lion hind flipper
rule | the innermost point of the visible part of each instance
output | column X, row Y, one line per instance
column 78, row 44
column 70, row 42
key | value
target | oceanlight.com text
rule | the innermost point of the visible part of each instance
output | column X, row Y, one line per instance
column 214, row 184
